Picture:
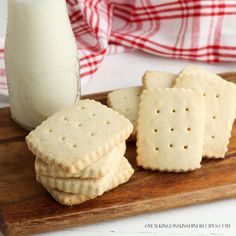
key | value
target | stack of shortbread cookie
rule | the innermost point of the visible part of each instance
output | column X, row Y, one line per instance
column 179, row 118
column 80, row 152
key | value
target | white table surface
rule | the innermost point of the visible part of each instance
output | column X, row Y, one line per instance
column 123, row 70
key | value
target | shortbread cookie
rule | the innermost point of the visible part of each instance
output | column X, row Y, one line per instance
column 220, row 98
column 126, row 102
column 68, row 199
column 96, row 170
column 79, row 135
column 123, row 174
column 89, row 187
column 157, row 79
column 170, row 130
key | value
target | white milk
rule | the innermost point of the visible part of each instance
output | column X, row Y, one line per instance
column 42, row 64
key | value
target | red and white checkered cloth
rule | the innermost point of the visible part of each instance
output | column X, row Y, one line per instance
column 202, row 30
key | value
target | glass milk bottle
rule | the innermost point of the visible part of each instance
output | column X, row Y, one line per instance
column 41, row 59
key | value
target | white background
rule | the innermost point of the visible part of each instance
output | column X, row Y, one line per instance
column 125, row 70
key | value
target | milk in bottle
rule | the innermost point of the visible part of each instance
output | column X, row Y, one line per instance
column 41, row 59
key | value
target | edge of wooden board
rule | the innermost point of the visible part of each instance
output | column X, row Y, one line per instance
column 145, row 206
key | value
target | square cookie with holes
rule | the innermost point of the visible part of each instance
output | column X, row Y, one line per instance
column 220, row 99
column 170, row 129
column 79, row 135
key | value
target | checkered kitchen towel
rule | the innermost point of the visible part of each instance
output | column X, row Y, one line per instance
column 202, row 30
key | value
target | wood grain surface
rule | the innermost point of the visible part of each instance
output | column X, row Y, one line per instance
column 26, row 208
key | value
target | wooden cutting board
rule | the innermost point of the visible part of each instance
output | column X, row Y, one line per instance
column 25, row 207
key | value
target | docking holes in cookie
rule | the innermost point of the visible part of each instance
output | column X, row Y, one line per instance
column 166, row 140
column 69, row 134
column 220, row 98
